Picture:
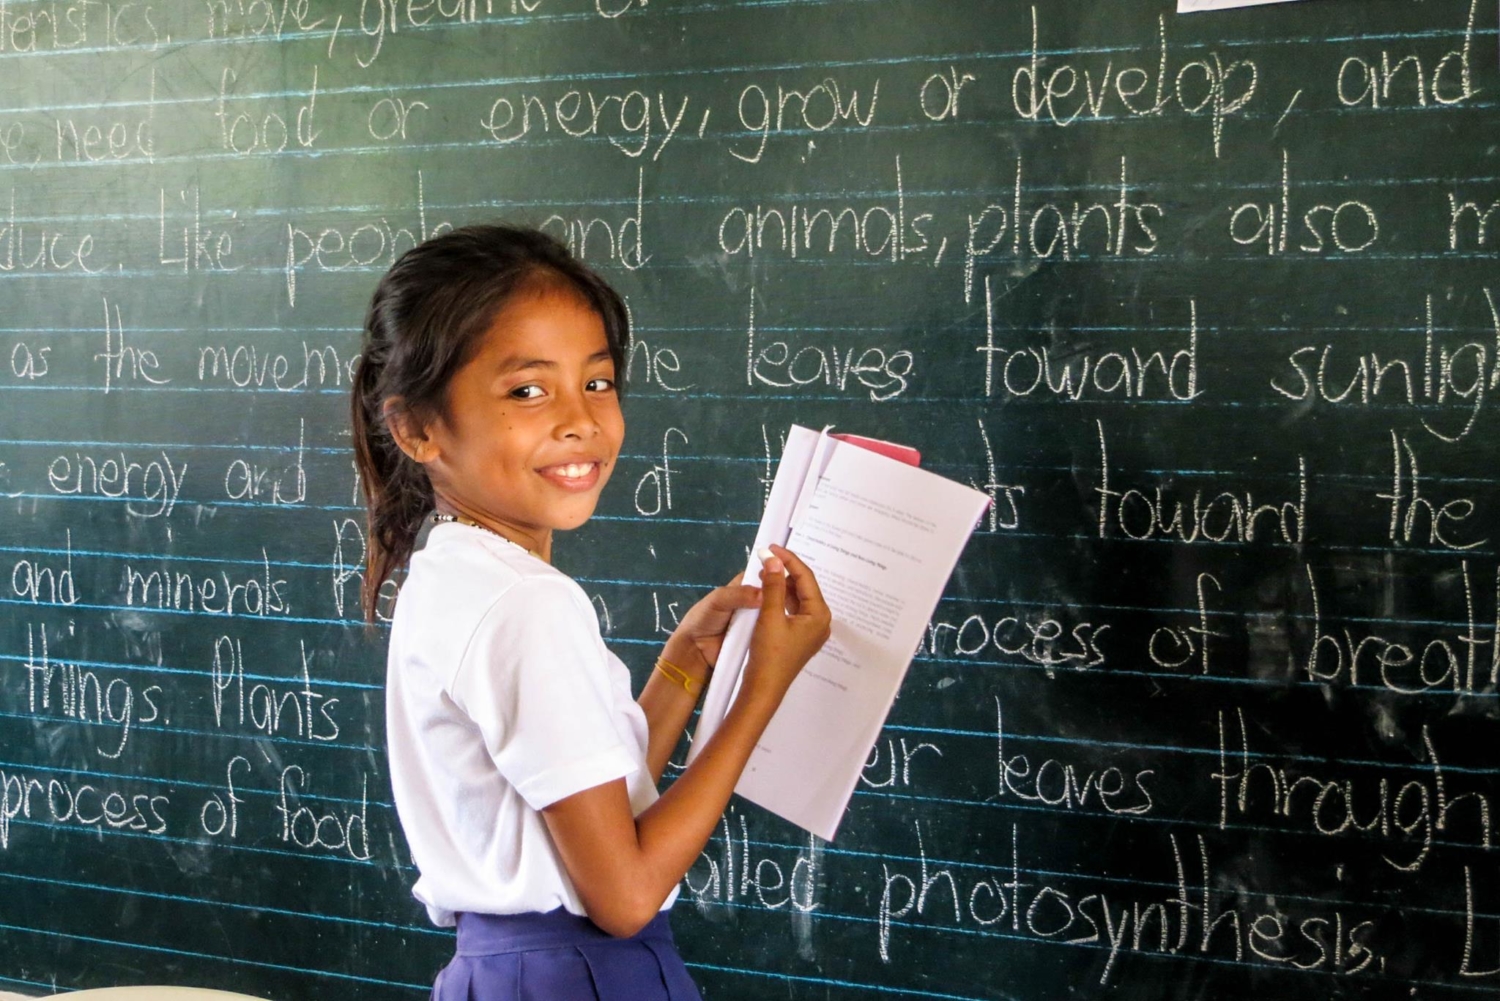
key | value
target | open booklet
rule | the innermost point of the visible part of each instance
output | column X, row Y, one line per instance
column 882, row 536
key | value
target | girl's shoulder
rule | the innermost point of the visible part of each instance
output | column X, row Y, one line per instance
column 463, row 572
column 467, row 595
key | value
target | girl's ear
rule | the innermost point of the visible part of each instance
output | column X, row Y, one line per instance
column 409, row 433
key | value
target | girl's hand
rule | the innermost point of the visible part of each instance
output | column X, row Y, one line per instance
column 702, row 628
column 624, row 864
column 794, row 624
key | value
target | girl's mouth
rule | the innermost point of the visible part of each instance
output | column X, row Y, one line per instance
column 572, row 475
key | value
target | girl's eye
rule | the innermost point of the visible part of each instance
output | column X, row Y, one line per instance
column 526, row 392
column 601, row 384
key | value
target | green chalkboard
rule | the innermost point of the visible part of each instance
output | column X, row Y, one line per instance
column 1207, row 302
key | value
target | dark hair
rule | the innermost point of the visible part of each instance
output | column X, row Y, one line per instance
column 425, row 321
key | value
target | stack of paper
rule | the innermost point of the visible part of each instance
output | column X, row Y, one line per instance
column 882, row 536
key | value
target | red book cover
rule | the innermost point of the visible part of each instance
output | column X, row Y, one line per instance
column 901, row 453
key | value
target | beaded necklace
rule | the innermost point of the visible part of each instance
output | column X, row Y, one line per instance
column 438, row 516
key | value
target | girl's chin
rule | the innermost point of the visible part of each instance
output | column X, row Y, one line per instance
column 575, row 514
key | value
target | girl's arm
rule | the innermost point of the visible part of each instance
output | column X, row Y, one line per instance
column 623, row 866
column 693, row 648
column 668, row 706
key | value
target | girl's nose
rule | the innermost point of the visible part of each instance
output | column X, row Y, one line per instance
column 575, row 419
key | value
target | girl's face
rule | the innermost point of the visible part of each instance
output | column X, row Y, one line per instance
column 533, row 425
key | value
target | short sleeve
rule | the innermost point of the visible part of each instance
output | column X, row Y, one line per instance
column 535, row 681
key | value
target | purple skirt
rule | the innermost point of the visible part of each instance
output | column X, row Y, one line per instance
column 556, row 955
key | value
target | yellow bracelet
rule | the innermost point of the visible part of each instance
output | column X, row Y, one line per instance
column 678, row 676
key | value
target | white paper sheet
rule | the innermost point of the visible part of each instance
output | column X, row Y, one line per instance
column 882, row 540
column 1189, row 6
column 803, row 445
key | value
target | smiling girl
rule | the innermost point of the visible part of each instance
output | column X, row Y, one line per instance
column 486, row 416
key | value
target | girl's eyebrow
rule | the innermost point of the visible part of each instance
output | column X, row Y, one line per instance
column 516, row 364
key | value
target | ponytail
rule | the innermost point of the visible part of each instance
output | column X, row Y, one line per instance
column 425, row 320
column 396, row 491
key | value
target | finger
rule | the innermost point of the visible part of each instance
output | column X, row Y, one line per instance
column 795, row 569
column 773, row 584
column 804, row 583
column 792, row 602
column 734, row 595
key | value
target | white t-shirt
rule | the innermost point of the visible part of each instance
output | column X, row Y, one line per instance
column 501, row 699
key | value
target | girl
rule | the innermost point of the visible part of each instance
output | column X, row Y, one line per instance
column 486, row 416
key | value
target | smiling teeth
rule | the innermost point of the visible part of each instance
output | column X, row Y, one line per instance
column 576, row 470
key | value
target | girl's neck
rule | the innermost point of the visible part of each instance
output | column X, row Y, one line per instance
column 538, row 542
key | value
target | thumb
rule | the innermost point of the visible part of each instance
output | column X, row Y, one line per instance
column 772, row 583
